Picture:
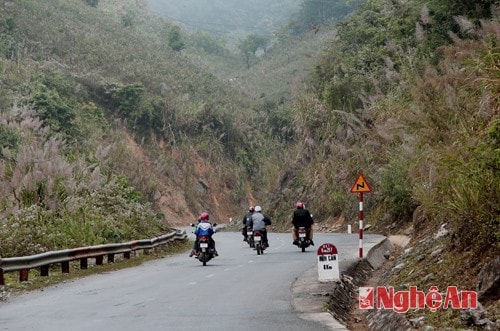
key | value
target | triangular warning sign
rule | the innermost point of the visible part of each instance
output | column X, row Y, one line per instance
column 361, row 185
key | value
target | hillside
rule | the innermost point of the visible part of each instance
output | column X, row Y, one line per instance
column 123, row 108
column 115, row 124
column 407, row 94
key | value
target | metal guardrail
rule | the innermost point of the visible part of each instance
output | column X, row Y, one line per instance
column 44, row 260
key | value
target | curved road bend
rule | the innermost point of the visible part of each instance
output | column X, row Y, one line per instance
column 238, row 290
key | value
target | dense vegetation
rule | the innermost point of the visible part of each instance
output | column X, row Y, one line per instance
column 408, row 94
column 114, row 122
column 415, row 118
column 79, row 80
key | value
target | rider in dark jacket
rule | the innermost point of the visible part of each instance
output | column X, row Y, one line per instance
column 246, row 222
column 302, row 218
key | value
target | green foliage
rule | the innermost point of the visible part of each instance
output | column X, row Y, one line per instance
column 56, row 100
column 128, row 192
column 376, row 112
column 455, row 117
column 55, row 58
column 54, row 111
column 59, row 81
column 8, row 46
column 125, row 99
column 22, row 233
column 249, row 46
column 280, row 122
column 128, row 19
column 472, row 196
column 92, row 3
column 344, row 94
column 102, row 216
column 58, row 204
column 175, row 40
column 9, row 138
column 89, row 120
column 209, row 44
column 396, row 189
column 314, row 13
column 244, row 160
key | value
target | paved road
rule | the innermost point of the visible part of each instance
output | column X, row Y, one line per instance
column 238, row 290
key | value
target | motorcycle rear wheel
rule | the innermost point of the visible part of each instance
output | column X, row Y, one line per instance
column 203, row 258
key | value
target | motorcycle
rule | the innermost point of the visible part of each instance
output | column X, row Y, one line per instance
column 260, row 246
column 250, row 239
column 303, row 240
column 205, row 253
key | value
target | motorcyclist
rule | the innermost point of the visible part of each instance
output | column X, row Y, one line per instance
column 246, row 219
column 204, row 228
column 259, row 222
column 301, row 218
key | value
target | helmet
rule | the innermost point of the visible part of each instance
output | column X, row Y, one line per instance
column 251, row 209
column 299, row 205
column 204, row 216
column 258, row 208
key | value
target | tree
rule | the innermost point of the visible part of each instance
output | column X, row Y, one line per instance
column 314, row 13
column 174, row 39
column 92, row 3
column 55, row 111
column 250, row 45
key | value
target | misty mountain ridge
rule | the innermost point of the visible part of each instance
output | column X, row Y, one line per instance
column 229, row 19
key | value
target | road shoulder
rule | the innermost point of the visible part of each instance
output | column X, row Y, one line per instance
column 311, row 297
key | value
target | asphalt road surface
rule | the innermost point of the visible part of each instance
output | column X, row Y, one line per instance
column 239, row 290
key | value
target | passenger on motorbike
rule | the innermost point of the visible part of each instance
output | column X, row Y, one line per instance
column 246, row 219
column 204, row 228
column 301, row 218
column 258, row 222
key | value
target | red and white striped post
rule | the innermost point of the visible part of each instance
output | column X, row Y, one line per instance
column 361, row 186
column 360, row 225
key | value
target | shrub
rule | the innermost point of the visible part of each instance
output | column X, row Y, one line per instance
column 9, row 138
column 396, row 189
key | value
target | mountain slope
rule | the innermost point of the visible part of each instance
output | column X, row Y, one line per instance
column 100, row 79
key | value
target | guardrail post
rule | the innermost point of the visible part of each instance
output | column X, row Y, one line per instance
column 65, row 267
column 43, row 261
column 23, row 275
column 98, row 260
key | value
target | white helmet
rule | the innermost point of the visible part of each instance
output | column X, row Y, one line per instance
column 258, row 208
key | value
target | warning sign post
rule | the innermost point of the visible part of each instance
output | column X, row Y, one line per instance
column 328, row 263
column 361, row 186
